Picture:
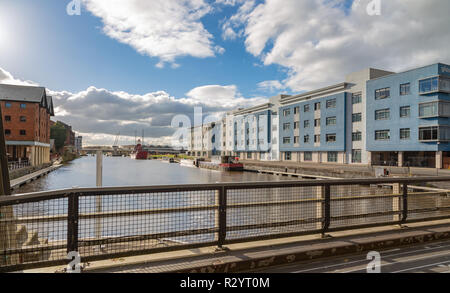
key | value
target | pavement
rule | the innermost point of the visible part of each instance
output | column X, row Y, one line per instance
column 298, row 252
column 423, row 258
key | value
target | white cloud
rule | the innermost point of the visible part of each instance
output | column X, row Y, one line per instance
column 270, row 86
column 7, row 78
column 223, row 96
column 319, row 42
column 165, row 29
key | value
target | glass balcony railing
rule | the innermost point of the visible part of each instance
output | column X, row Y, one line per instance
column 434, row 85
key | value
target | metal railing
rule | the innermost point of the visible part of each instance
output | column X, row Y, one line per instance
column 39, row 229
column 18, row 165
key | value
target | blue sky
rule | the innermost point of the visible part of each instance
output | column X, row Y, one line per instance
column 132, row 65
column 72, row 53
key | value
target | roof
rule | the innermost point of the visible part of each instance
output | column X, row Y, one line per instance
column 21, row 93
column 31, row 94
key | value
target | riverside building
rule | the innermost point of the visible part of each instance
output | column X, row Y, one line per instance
column 374, row 117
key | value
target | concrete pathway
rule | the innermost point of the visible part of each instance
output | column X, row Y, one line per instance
column 16, row 183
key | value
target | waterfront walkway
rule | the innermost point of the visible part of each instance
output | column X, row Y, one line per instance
column 297, row 252
column 16, row 183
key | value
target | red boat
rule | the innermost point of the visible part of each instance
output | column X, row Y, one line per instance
column 139, row 153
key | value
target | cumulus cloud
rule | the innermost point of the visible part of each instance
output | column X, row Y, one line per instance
column 7, row 78
column 165, row 29
column 319, row 41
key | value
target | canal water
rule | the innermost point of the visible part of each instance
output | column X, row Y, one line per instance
column 123, row 171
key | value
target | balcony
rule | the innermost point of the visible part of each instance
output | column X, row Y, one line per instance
column 434, row 109
column 437, row 84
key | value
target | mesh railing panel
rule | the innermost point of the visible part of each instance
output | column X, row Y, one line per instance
column 261, row 212
column 130, row 222
column 33, row 232
column 353, row 205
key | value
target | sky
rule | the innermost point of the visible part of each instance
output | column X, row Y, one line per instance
column 123, row 66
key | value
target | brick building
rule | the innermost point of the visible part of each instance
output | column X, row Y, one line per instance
column 26, row 114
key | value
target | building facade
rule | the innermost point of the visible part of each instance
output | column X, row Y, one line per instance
column 374, row 117
column 78, row 144
column 26, row 114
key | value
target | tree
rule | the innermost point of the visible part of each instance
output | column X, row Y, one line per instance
column 59, row 134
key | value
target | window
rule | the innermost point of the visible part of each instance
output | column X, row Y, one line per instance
column 405, row 112
column 331, row 103
column 356, row 156
column 307, row 156
column 7, row 118
column 357, row 136
column 296, row 110
column 405, row 133
column 306, row 123
column 287, row 156
column 296, row 125
column 332, row 157
column 382, row 135
column 317, row 123
column 23, row 106
column 405, row 89
column 286, row 140
column 23, row 119
column 428, row 133
column 356, row 98
column 249, row 155
column 317, row 138
column 331, row 137
column 7, row 131
column 331, row 121
column 429, row 85
column 317, row 106
column 306, row 139
column 23, row 132
column 306, row 108
column 286, row 126
column 382, row 93
column 296, row 139
column 383, row 114
column 8, row 105
column 286, row 112
column 357, row 117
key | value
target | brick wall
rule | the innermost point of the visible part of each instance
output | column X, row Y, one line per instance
column 36, row 124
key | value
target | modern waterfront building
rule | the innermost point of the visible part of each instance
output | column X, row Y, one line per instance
column 26, row 114
column 374, row 117
column 256, row 131
column 408, row 118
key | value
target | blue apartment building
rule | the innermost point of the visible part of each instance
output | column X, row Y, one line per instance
column 374, row 117
column 408, row 118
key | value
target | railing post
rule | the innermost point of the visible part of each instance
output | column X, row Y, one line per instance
column 405, row 203
column 326, row 209
column 222, row 217
column 72, row 222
